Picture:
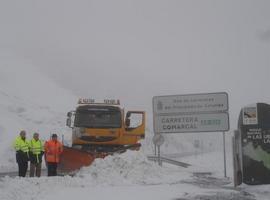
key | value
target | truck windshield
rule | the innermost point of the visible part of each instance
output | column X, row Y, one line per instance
column 97, row 118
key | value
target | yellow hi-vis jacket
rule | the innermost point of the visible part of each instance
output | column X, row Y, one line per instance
column 22, row 149
column 21, row 145
column 36, row 146
column 36, row 150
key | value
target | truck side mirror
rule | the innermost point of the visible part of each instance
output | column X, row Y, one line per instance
column 128, row 114
column 69, row 114
column 68, row 122
column 127, row 122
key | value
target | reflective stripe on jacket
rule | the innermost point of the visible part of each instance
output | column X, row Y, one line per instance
column 21, row 145
column 53, row 149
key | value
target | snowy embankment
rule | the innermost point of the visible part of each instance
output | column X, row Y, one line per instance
column 127, row 176
column 129, row 169
column 28, row 101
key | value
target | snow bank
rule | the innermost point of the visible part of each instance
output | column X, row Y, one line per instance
column 128, row 169
column 131, row 167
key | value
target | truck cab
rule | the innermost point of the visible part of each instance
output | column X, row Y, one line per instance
column 105, row 127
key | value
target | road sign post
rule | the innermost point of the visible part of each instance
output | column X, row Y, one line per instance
column 224, row 154
column 158, row 140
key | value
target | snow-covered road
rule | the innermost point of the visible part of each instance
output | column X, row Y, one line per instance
column 132, row 176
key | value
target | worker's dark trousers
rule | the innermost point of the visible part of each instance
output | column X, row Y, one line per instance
column 52, row 169
column 22, row 168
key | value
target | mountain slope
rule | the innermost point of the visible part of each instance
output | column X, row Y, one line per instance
column 28, row 101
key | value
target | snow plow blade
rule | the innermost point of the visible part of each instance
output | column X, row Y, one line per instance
column 72, row 160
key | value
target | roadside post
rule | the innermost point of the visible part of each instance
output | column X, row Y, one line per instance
column 196, row 146
column 190, row 113
column 158, row 140
column 224, row 154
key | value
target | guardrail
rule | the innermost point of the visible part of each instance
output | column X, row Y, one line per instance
column 170, row 161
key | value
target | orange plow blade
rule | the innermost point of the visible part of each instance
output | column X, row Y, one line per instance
column 73, row 159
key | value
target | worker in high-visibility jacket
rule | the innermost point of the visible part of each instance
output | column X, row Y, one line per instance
column 21, row 146
column 53, row 149
column 36, row 153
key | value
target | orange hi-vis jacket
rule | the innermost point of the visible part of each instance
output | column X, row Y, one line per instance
column 53, row 150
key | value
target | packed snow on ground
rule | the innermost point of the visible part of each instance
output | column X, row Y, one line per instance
column 129, row 175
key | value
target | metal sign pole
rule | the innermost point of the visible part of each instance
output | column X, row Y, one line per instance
column 224, row 153
column 158, row 140
column 155, row 151
column 159, row 159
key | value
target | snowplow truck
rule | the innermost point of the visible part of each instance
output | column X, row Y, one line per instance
column 98, row 130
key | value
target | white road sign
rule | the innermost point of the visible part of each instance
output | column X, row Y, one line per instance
column 193, row 103
column 173, row 123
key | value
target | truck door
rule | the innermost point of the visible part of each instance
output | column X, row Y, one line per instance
column 135, row 123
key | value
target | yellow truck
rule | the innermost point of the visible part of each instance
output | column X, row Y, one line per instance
column 100, row 129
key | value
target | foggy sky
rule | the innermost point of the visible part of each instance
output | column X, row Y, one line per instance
column 134, row 50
